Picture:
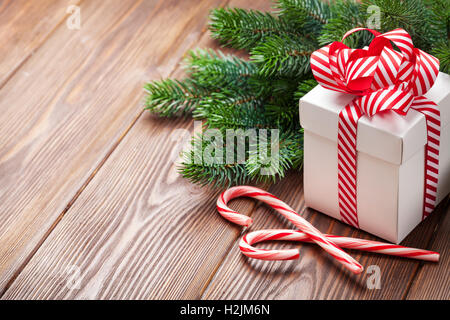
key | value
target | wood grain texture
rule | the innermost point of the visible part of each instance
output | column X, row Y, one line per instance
column 138, row 230
column 24, row 26
column 93, row 205
column 68, row 105
column 433, row 280
column 314, row 275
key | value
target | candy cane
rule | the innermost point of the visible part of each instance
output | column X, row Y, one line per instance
column 287, row 212
column 344, row 242
column 306, row 233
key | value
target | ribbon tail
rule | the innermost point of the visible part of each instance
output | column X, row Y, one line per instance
column 432, row 115
column 347, row 132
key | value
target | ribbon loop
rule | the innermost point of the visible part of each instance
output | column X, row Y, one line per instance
column 374, row 32
column 401, row 39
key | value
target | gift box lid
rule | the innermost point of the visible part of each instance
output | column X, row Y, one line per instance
column 387, row 136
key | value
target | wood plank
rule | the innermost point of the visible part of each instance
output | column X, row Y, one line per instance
column 105, row 281
column 432, row 280
column 314, row 275
column 242, row 278
column 24, row 26
column 138, row 230
column 69, row 104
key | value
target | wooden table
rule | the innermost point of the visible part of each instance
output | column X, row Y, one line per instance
column 91, row 205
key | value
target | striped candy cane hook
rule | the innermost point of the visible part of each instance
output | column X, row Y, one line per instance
column 306, row 233
column 303, row 225
column 344, row 242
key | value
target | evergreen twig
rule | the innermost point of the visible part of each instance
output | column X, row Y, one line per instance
column 243, row 29
column 227, row 92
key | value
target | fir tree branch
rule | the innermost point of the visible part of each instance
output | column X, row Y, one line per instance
column 232, row 93
column 281, row 109
column 297, row 10
column 442, row 52
column 289, row 155
column 346, row 15
column 283, row 56
column 173, row 97
column 243, row 29
column 236, row 109
column 195, row 168
column 304, row 87
column 411, row 15
column 282, row 115
column 440, row 16
column 216, row 70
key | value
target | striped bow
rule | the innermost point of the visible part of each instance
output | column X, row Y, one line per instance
column 384, row 79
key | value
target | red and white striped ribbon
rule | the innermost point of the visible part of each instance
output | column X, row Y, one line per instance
column 306, row 233
column 384, row 80
column 432, row 115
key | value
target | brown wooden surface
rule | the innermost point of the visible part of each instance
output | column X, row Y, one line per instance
column 88, row 186
column 70, row 105
column 24, row 26
column 314, row 275
column 432, row 280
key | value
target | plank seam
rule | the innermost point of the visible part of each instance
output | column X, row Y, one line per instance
column 428, row 246
column 256, row 206
column 77, row 194
column 24, row 61
column 98, row 167
column 232, row 244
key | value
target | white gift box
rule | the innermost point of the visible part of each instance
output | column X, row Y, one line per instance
column 390, row 161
